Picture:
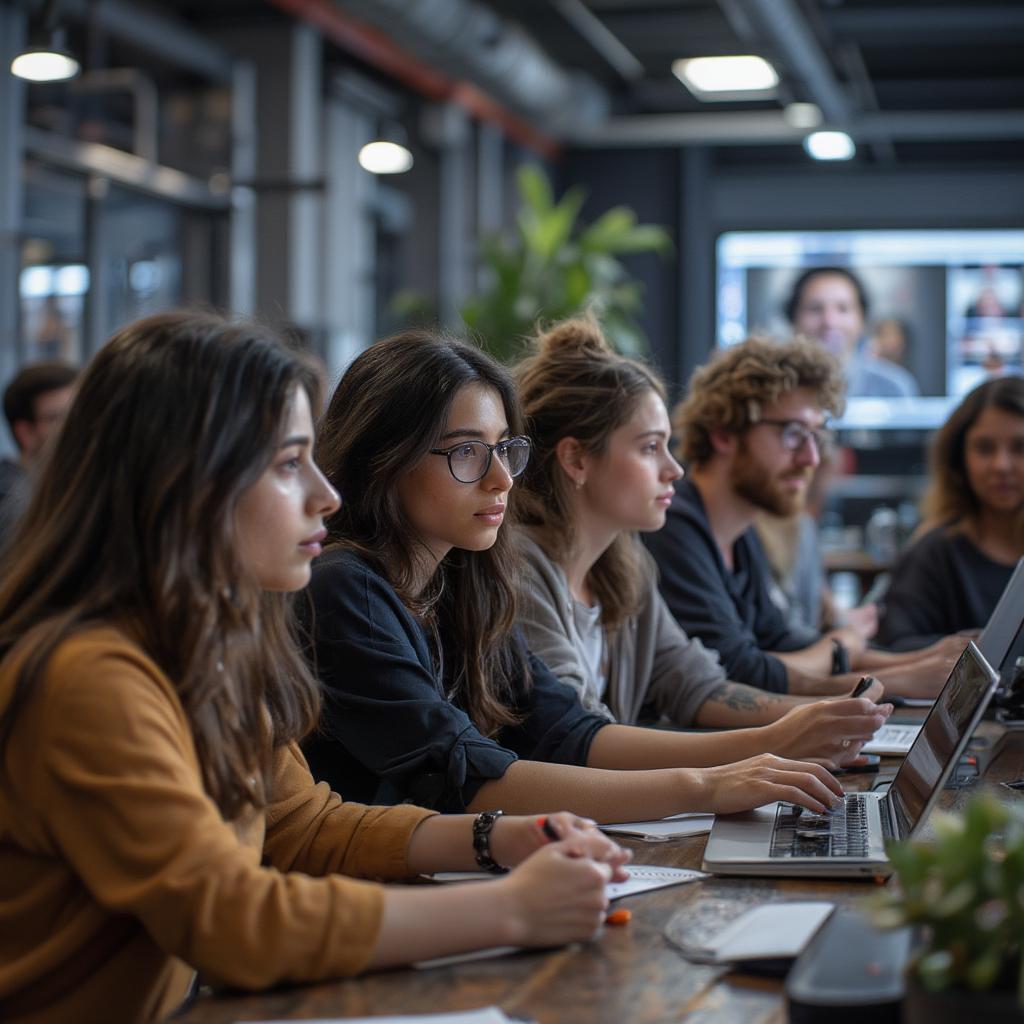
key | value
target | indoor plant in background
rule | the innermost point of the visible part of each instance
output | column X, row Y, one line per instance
column 964, row 889
column 551, row 266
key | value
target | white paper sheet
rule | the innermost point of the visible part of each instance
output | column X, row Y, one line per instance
column 677, row 826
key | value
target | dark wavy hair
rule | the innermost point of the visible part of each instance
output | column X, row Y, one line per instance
column 132, row 523
column 574, row 385
column 390, row 408
column 949, row 498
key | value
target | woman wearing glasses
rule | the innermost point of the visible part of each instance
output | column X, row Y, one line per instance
column 431, row 695
column 601, row 470
column 973, row 533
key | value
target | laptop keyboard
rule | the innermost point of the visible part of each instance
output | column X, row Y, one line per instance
column 802, row 833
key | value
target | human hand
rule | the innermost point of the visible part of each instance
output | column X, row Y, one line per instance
column 759, row 780
column 516, row 837
column 862, row 620
column 829, row 731
column 555, row 896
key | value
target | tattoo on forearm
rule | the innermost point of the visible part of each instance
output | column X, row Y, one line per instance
column 742, row 698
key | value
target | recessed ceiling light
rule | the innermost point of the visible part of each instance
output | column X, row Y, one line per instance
column 716, row 78
column 829, row 146
column 385, row 158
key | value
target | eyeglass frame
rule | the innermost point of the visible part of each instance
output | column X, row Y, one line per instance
column 822, row 437
column 447, row 452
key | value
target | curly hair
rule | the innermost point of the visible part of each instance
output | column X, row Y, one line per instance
column 949, row 498
column 730, row 392
column 574, row 385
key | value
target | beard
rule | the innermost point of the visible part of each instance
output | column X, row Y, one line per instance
column 754, row 483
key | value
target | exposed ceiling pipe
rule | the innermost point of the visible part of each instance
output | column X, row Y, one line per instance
column 770, row 128
column 470, row 41
column 377, row 49
column 604, row 41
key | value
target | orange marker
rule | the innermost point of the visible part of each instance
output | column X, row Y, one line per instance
column 545, row 826
column 619, row 917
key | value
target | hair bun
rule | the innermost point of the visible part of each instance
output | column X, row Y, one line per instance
column 580, row 335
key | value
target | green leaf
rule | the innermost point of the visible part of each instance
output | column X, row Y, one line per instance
column 535, row 189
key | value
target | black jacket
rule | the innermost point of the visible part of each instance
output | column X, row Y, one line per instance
column 388, row 732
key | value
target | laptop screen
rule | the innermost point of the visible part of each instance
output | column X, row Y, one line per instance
column 1004, row 621
column 948, row 726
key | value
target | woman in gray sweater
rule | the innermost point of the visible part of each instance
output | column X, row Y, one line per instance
column 590, row 606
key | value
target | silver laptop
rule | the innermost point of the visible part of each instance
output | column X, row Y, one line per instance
column 1005, row 620
column 785, row 839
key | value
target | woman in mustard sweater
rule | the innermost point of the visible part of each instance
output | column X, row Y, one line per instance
column 156, row 817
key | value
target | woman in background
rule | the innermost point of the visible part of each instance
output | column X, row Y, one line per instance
column 155, row 813
column 591, row 609
column 972, row 535
column 431, row 695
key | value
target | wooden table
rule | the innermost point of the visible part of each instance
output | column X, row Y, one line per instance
column 630, row 975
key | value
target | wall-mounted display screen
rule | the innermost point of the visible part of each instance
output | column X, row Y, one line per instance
column 945, row 310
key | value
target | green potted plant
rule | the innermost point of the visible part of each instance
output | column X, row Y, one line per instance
column 551, row 267
column 964, row 890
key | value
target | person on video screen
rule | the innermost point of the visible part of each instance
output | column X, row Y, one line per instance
column 829, row 305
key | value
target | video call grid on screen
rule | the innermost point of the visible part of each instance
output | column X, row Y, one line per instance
column 959, row 295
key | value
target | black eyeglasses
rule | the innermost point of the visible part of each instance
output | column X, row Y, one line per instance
column 469, row 461
column 794, row 434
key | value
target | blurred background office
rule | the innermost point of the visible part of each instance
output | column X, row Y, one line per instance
column 343, row 167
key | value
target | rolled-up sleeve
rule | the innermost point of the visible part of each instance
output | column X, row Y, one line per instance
column 555, row 726
column 384, row 707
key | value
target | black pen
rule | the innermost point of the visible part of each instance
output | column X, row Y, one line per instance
column 863, row 686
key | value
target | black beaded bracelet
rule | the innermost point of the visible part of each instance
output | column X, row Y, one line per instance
column 482, row 841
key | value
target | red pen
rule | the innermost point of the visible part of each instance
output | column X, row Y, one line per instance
column 545, row 826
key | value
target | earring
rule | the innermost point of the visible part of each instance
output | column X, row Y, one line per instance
column 579, row 484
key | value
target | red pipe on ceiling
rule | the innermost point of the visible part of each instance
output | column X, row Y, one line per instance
column 376, row 49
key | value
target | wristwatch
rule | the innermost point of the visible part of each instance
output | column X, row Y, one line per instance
column 840, row 658
column 482, row 826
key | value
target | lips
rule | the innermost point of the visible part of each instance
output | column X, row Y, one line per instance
column 492, row 515
column 313, row 543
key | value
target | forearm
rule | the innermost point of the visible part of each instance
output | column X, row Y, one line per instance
column 733, row 705
column 421, row 922
column 534, row 787
column 803, row 684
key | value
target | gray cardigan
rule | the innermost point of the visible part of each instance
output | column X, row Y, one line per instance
column 650, row 659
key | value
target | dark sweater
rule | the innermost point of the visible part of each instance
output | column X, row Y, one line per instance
column 388, row 732
column 730, row 611
column 940, row 585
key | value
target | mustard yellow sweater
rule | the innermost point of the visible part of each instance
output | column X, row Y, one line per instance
column 118, row 875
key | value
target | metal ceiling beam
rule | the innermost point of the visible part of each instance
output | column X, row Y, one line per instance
column 167, row 37
column 769, row 128
column 782, row 26
column 892, row 24
column 605, row 42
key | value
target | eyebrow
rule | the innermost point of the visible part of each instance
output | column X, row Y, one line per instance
column 468, row 432
column 296, row 439
column 651, row 433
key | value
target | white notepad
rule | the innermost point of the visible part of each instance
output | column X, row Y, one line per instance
column 775, row 931
column 642, row 878
column 892, row 739
column 676, row 826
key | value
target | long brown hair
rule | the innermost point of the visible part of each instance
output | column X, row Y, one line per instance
column 949, row 498
column 388, row 411
column 132, row 523
column 574, row 385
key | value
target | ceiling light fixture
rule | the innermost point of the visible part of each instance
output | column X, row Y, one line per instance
column 724, row 78
column 829, row 146
column 384, row 157
column 46, row 58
